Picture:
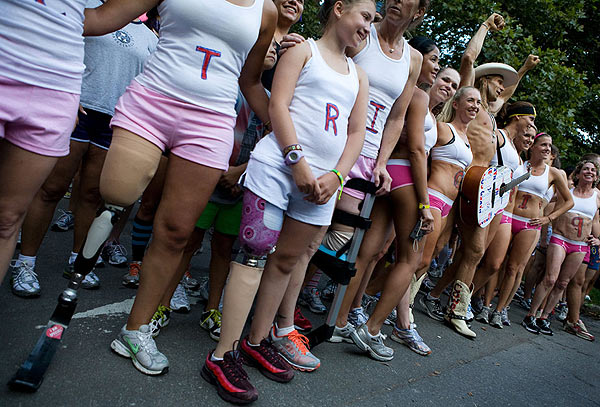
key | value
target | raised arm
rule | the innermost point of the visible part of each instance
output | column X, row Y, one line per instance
column 114, row 14
column 250, row 83
column 530, row 63
column 495, row 22
column 395, row 123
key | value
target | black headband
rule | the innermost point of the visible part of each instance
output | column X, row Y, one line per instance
column 525, row 110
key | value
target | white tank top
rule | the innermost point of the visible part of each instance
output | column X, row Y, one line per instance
column 586, row 207
column 430, row 132
column 549, row 194
column 387, row 78
column 201, row 51
column 536, row 184
column 41, row 43
column 320, row 118
column 456, row 151
column 510, row 156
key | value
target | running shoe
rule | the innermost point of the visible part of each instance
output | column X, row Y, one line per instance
column 309, row 297
column 411, row 338
column 115, row 253
column 544, row 326
column 141, row 348
column 504, row 316
column 132, row 278
column 342, row 334
column 391, row 319
column 91, row 281
column 525, row 303
column 496, row 320
column 477, row 304
column 203, row 290
column 230, row 378
column 483, row 316
column 577, row 330
column 24, row 280
column 470, row 314
column 179, row 301
column 357, row 316
column 369, row 302
column 433, row 307
column 160, row 319
column 520, row 293
column 211, row 321
column 301, row 323
column 426, row 286
column 530, row 324
column 372, row 344
column 561, row 311
column 65, row 222
column 293, row 348
column 329, row 291
column 265, row 357
column 189, row 282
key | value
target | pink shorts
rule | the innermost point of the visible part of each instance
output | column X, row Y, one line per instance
column 520, row 223
column 506, row 218
column 37, row 119
column 363, row 169
column 191, row 132
column 570, row 246
column 400, row 172
column 439, row 201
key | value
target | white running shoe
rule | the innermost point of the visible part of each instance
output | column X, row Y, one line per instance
column 141, row 348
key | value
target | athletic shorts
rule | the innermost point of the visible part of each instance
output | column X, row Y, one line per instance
column 400, row 172
column 594, row 261
column 439, row 201
column 226, row 218
column 506, row 218
column 520, row 223
column 191, row 132
column 279, row 189
column 93, row 128
column 570, row 246
column 363, row 169
column 37, row 119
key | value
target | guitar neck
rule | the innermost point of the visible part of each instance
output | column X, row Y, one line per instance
column 507, row 187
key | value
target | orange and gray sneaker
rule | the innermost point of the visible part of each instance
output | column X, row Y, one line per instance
column 230, row 378
column 132, row 278
column 265, row 357
column 293, row 348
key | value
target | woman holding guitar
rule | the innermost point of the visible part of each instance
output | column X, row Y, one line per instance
column 527, row 217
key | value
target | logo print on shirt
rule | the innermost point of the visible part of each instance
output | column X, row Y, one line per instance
column 208, row 54
column 123, row 38
column 377, row 107
column 331, row 114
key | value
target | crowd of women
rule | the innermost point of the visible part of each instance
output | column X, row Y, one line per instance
column 228, row 121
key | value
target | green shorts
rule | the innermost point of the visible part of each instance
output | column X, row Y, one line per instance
column 225, row 217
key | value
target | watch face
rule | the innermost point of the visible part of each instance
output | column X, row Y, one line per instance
column 293, row 156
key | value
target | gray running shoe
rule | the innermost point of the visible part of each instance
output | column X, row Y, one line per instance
column 293, row 348
column 180, row 301
column 160, row 319
column 24, row 280
column 483, row 316
column 372, row 344
column 132, row 278
column 329, row 291
column 369, row 302
column 412, row 339
column 504, row 315
column 116, row 254
column 189, row 282
column 357, row 317
column 561, row 311
column 311, row 298
column 66, row 221
column 391, row 319
column 90, row 282
column 342, row 334
column 433, row 307
column 141, row 348
column 496, row 320
column 477, row 304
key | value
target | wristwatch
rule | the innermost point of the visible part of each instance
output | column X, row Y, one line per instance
column 293, row 156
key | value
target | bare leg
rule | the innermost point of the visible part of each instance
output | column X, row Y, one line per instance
column 574, row 298
column 554, row 259
column 567, row 271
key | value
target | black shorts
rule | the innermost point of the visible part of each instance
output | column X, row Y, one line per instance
column 93, row 127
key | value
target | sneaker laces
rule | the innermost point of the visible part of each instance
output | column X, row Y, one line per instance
column 233, row 369
column 146, row 342
column 64, row 215
column 117, row 249
column 215, row 315
column 25, row 271
column 299, row 340
column 179, row 294
column 134, row 268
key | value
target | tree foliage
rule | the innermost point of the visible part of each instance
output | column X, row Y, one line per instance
column 564, row 87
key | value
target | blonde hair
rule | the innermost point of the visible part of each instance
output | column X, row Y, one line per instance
column 448, row 112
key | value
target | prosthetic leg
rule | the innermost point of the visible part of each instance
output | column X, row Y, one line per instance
column 31, row 373
column 340, row 265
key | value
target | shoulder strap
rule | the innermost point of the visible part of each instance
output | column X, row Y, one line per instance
column 498, row 149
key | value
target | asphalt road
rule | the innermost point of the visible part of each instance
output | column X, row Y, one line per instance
column 508, row 367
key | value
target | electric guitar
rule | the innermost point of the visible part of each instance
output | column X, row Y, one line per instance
column 483, row 193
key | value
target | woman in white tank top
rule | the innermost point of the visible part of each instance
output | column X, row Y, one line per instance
column 318, row 110
column 571, row 237
column 183, row 103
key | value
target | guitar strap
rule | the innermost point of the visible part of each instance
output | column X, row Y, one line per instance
column 498, row 149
